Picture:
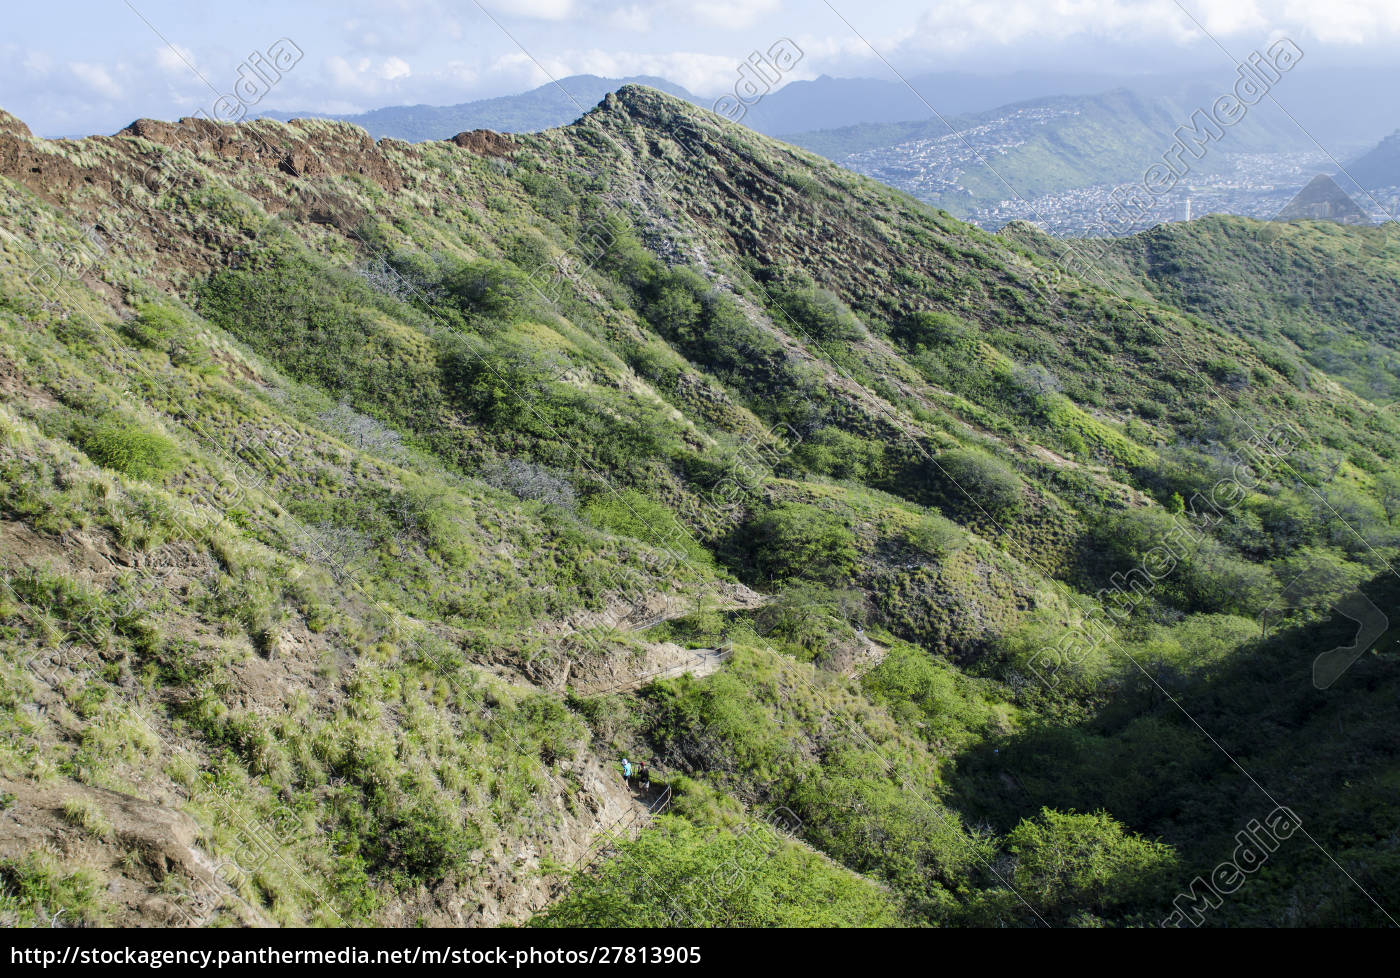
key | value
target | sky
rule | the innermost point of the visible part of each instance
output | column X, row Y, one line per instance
column 92, row 66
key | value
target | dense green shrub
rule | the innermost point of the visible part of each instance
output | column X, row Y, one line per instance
column 493, row 289
column 796, row 541
column 932, row 536
column 630, row 513
column 420, row 840
column 933, row 329
column 843, row 455
column 818, row 313
column 979, row 480
column 129, row 448
column 1075, row 870
column 805, row 617
column 155, row 326
column 933, row 696
column 1159, row 556
column 679, row 874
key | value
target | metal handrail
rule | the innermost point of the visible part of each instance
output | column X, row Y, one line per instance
column 661, row 804
column 607, row 837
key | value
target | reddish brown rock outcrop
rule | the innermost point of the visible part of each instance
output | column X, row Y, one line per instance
column 485, row 142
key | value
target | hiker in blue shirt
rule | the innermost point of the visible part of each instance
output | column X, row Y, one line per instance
column 627, row 771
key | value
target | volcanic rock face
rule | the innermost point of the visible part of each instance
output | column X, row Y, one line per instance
column 10, row 124
column 484, row 142
column 299, row 149
column 114, row 184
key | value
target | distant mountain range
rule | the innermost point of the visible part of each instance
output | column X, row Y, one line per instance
column 545, row 107
column 799, row 106
column 986, row 149
column 1055, row 160
column 829, row 103
column 1377, row 168
column 1344, row 126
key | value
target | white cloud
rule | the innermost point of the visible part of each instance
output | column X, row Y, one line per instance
column 366, row 77
column 963, row 25
column 393, row 68
column 97, row 78
column 516, row 70
column 732, row 13
column 175, row 60
column 1347, row 21
column 399, row 26
column 37, row 62
column 703, row 74
column 458, row 73
column 635, row 17
column 535, row 9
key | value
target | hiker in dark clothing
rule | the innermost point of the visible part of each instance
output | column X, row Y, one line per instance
column 644, row 777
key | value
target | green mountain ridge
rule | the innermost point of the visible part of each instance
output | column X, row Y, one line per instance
column 353, row 493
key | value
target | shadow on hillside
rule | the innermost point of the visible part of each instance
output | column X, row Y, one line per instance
column 1330, row 755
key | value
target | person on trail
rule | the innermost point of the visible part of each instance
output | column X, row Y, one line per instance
column 627, row 771
column 644, row 777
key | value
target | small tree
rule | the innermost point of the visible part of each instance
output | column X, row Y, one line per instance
column 796, row 541
column 1074, row 869
column 1037, row 385
column 820, row 314
column 933, row 329
column 1388, row 491
column 990, row 483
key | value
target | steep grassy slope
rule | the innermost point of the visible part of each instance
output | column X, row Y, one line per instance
column 1324, row 295
column 360, row 487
